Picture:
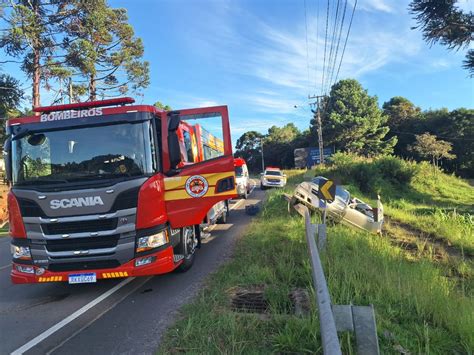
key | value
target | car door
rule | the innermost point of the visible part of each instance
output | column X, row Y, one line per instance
column 192, row 189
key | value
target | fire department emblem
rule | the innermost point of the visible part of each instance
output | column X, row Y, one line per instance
column 196, row 186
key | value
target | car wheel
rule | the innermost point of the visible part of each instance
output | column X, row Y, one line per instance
column 245, row 195
column 262, row 187
column 187, row 248
column 223, row 218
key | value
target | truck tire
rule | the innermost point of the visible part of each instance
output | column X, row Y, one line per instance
column 262, row 187
column 245, row 195
column 187, row 247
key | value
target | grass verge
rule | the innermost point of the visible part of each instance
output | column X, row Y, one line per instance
column 417, row 307
column 437, row 204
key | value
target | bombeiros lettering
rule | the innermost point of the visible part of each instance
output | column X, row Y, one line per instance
column 67, row 115
column 76, row 202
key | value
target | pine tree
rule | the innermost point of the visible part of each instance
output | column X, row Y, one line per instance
column 443, row 22
column 353, row 122
column 102, row 46
column 32, row 26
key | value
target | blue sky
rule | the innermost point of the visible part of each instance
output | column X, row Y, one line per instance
column 251, row 56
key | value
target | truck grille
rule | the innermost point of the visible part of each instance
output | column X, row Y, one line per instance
column 86, row 243
column 97, row 225
column 85, row 265
column 273, row 180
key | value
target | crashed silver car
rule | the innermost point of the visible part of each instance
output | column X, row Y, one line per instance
column 345, row 209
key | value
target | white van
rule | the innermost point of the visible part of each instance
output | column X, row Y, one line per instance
column 242, row 178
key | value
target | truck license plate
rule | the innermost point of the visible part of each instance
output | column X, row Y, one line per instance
column 82, row 278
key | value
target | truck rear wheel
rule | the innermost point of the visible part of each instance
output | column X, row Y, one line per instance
column 187, row 247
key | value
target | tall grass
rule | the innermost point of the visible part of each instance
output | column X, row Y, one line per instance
column 415, row 193
column 416, row 307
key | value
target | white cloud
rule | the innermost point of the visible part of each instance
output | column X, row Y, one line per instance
column 440, row 63
column 273, row 57
column 376, row 5
column 206, row 103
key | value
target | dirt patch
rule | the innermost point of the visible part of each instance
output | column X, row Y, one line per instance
column 419, row 245
column 430, row 241
column 3, row 204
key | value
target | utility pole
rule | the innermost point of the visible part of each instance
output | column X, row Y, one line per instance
column 317, row 116
column 70, row 90
column 261, row 149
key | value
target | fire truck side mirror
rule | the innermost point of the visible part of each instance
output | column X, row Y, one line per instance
column 7, row 148
column 173, row 141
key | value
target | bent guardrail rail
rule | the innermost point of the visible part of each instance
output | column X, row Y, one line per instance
column 335, row 318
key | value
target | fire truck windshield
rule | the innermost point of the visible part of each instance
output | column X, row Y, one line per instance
column 116, row 151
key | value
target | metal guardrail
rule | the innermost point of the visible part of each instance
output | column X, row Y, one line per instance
column 326, row 319
column 335, row 318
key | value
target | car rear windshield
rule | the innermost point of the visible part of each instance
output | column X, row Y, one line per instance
column 239, row 171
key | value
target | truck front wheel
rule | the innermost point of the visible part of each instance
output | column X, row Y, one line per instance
column 187, row 248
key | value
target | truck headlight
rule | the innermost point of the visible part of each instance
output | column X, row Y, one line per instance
column 27, row 269
column 19, row 252
column 152, row 241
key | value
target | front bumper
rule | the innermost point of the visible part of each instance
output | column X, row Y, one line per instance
column 267, row 183
column 163, row 263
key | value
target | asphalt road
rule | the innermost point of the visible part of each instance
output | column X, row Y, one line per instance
column 122, row 316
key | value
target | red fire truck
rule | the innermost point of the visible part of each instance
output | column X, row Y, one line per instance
column 105, row 189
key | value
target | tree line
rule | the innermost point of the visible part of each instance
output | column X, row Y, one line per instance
column 353, row 122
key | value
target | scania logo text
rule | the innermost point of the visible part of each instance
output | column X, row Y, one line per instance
column 76, row 202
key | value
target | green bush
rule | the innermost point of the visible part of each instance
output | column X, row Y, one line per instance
column 396, row 170
column 386, row 175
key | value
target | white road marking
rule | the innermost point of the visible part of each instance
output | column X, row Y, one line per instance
column 33, row 342
column 5, row 267
column 136, row 287
column 242, row 200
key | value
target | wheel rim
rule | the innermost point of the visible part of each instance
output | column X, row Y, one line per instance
column 190, row 242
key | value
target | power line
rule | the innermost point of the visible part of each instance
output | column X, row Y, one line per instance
column 338, row 43
column 444, row 137
column 333, row 41
column 317, row 45
column 325, row 46
column 345, row 42
column 307, row 50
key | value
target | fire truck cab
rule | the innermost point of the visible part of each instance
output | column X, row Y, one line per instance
column 109, row 189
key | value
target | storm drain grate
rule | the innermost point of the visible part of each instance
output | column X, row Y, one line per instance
column 250, row 300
